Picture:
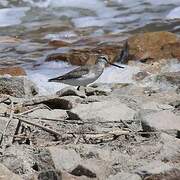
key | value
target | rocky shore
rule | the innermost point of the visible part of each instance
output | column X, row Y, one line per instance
column 113, row 131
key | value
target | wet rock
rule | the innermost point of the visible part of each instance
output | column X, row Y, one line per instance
column 13, row 71
column 153, row 46
column 86, row 55
column 124, row 176
column 102, row 111
column 156, row 121
column 70, row 91
column 64, row 159
column 6, row 174
column 50, row 175
column 59, row 43
column 171, row 77
column 17, row 86
column 81, row 170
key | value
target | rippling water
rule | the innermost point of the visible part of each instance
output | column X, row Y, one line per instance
column 35, row 22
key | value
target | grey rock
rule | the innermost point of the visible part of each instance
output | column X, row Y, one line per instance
column 156, row 106
column 80, row 170
column 124, row 176
column 64, row 159
column 6, row 174
column 17, row 86
column 70, row 91
column 50, row 175
column 45, row 113
column 103, row 111
column 170, row 77
column 162, row 120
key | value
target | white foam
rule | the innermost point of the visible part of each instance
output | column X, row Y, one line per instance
column 174, row 14
column 12, row 16
column 163, row 2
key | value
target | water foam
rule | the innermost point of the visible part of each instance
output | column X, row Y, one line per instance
column 174, row 14
column 12, row 16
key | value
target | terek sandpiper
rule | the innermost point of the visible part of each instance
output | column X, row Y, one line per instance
column 84, row 75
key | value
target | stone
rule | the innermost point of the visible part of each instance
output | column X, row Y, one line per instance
column 153, row 46
column 124, row 176
column 86, row 55
column 50, row 175
column 80, row 170
column 64, row 159
column 173, row 174
column 156, row 106
column 140, row 75
column 59, row 43
column 13, row 71
column 17, row 86
column 59, row 103
column 163, row 120
column 70, row 91
column 102, row 111
column 169, row 152
column 154, row 167
column 6, row 174
column 170, row 77
column 99, row 91
column 67, row 176
column 51, row 114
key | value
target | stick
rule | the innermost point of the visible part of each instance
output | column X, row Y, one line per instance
column 7, row 124
column 40, row 126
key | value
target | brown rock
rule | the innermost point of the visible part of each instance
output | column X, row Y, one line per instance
column 8, row 39
column 153, row 46
column 86, row 55
column 58, row 43
column 13, row 71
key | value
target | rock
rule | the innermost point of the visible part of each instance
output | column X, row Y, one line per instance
column 70, row 91
column 154, row 167
column 8, row 39
column 156, row 106
column 157, row 121
column 67, row 176
column 50, row 175
column 154, row 46
column 17, row 86
column 102, row 111
column 140, row 75
column 59, row 43
column 45, row 113
column 173, row 174
column 99, row 91
column 64, row 159
column 86, row 55
column 175, row 104
column 6, row 174
column 169, row 152
column 124, row 176
column 59, row 103
column 13, row 71
column 80, row 170
column 171, row 77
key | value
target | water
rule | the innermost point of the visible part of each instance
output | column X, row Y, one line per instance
column 35, row 22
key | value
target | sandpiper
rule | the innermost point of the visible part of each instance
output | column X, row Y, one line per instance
column 84, row 75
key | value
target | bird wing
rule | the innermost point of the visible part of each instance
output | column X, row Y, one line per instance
column 76, row 73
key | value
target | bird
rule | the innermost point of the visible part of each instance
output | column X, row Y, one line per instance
column 84, row 75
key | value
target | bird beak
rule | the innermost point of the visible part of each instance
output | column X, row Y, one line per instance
column 115, row 65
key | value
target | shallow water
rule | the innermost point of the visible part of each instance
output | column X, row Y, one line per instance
column 35, row 22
